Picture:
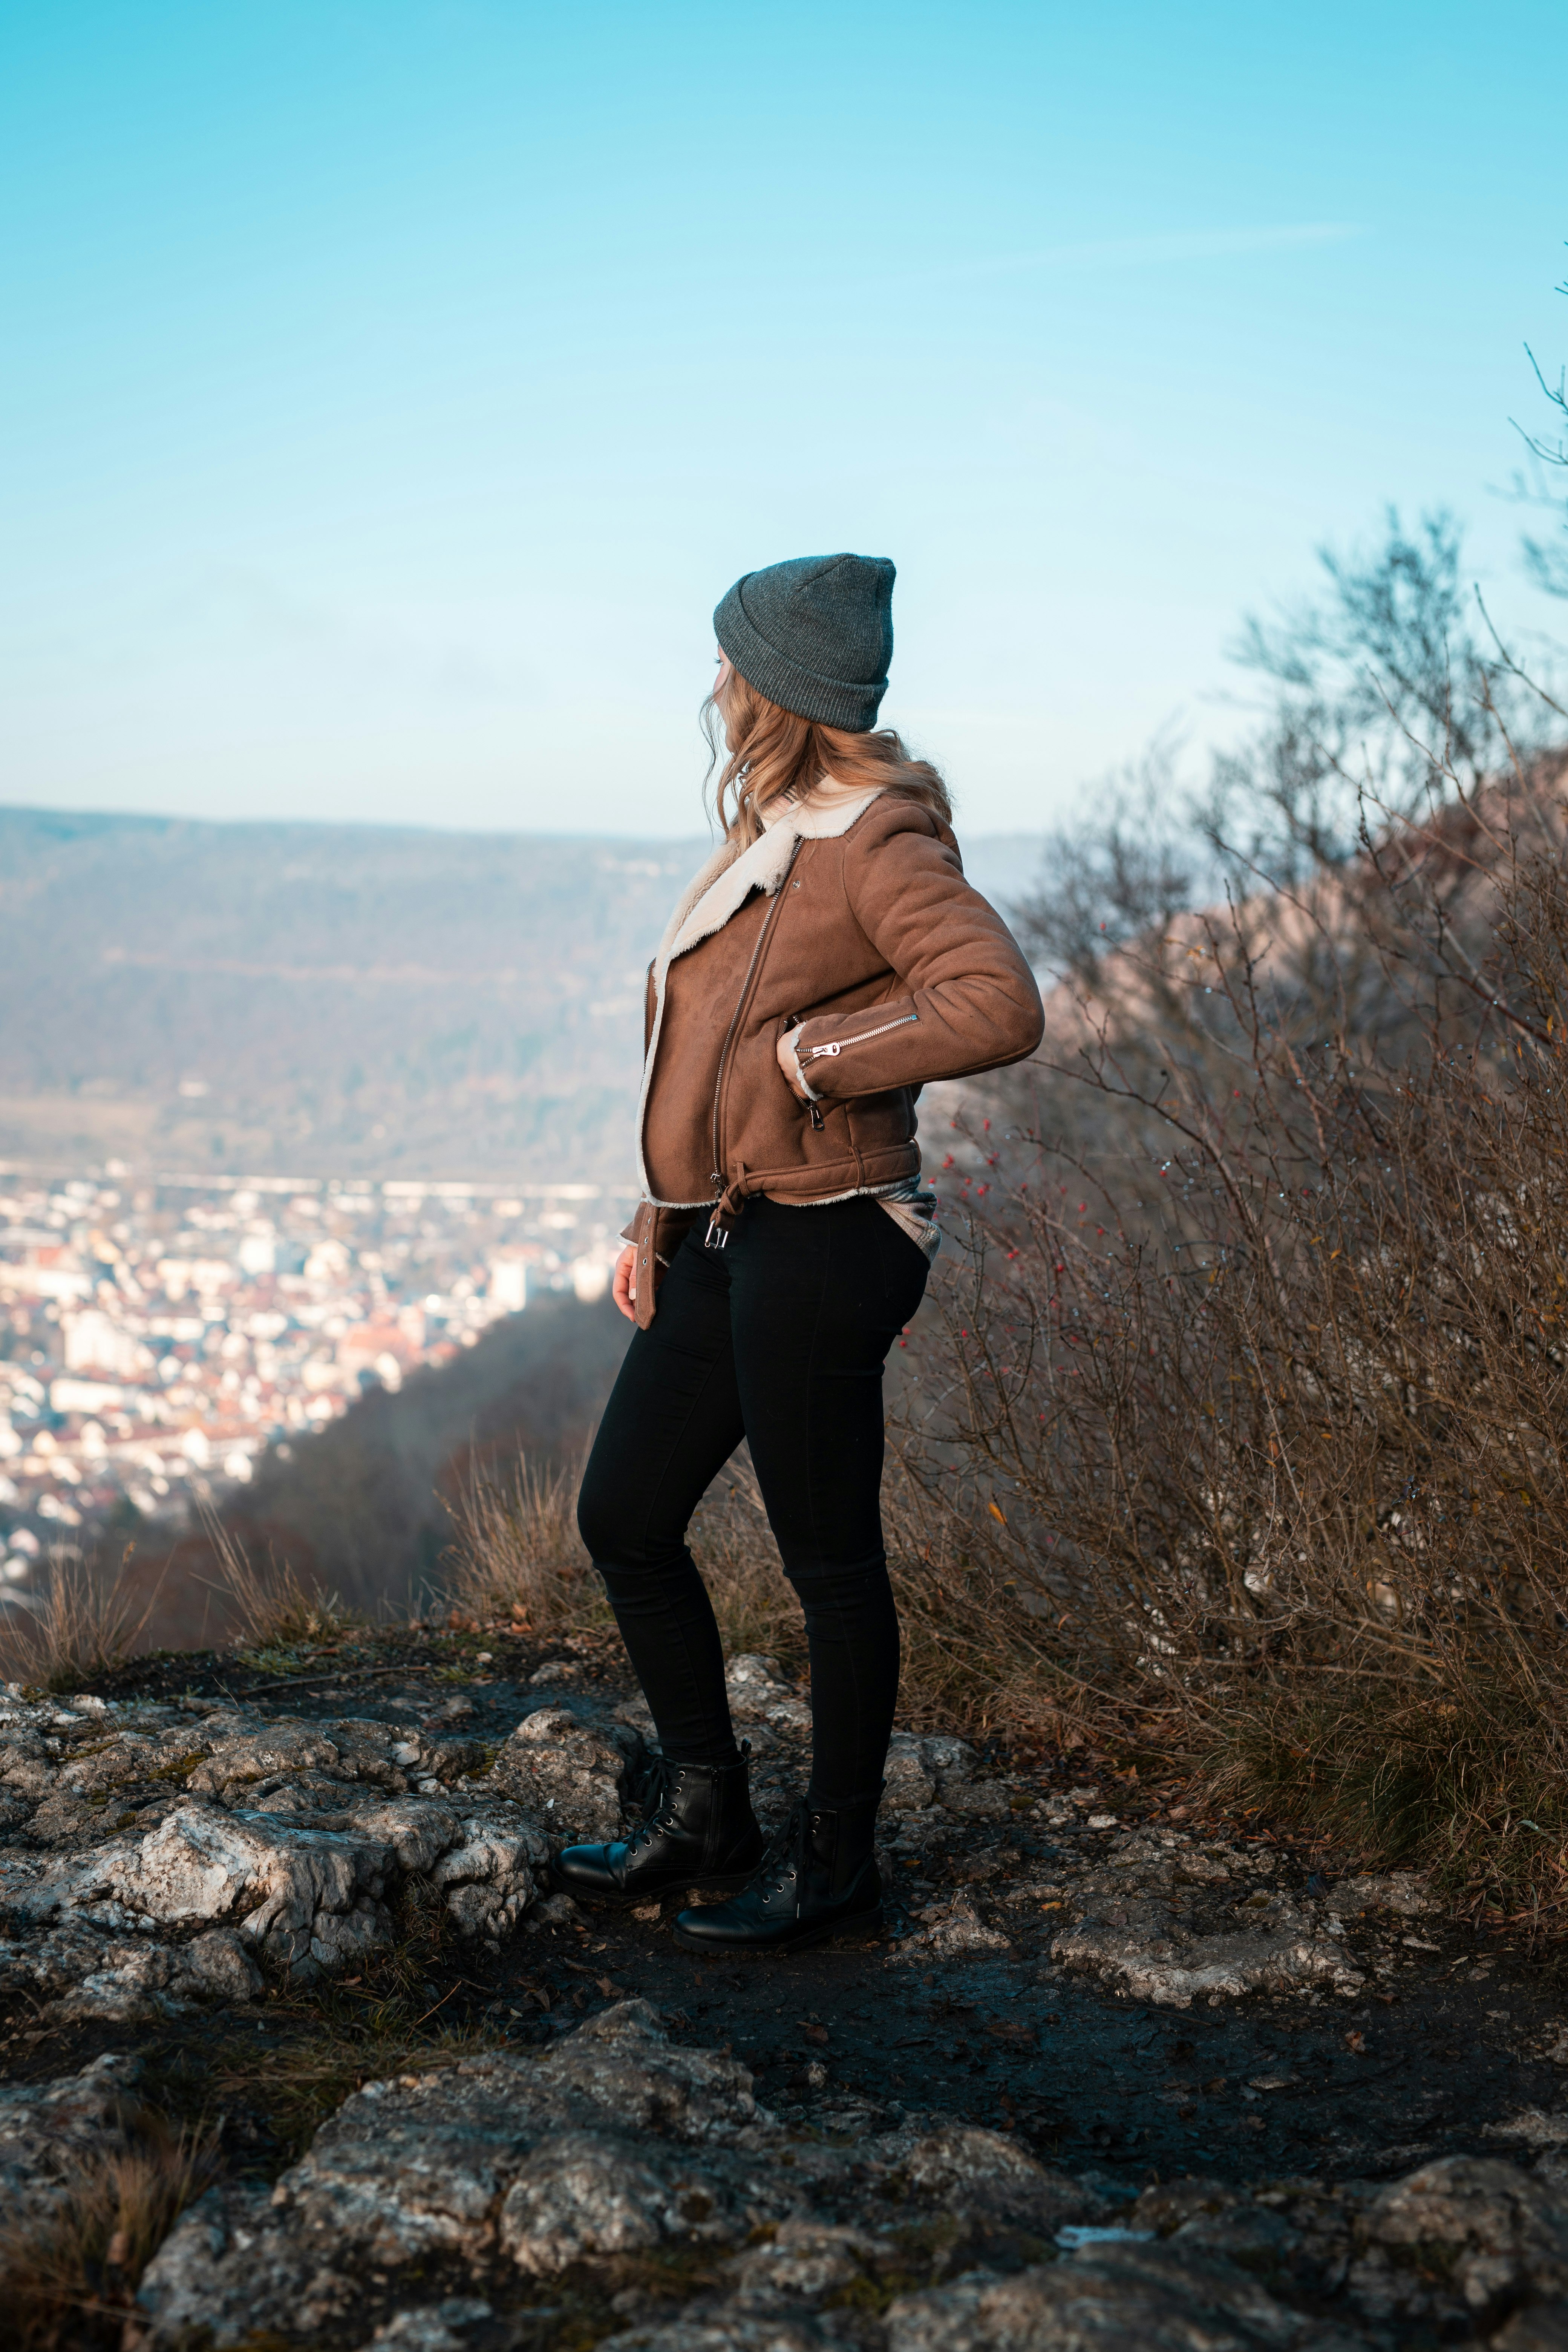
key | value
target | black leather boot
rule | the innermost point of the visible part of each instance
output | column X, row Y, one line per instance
column 817, row 1879
column 698, row 1830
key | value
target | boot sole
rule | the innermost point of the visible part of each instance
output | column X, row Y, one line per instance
column 622, row 1901
column 861, row 1924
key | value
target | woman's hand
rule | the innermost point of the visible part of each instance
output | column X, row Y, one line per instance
column 623, row 1290
column 789, row 1062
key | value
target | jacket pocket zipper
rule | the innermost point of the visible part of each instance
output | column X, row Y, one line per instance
column 866, row 1035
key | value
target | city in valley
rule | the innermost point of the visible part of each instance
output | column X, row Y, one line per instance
column 157, row 1335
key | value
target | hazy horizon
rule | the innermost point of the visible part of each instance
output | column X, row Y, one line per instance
column 695, row 833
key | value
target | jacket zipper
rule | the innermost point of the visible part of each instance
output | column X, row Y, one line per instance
column 866, row 1034
column 717, row 1175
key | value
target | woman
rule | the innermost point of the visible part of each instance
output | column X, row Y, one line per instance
column 827, row 962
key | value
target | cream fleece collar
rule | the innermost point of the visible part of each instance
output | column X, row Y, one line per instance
column 728, row 879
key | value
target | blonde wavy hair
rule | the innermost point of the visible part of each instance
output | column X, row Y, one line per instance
column 769, row 752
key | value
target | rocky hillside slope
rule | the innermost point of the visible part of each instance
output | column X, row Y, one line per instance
column 1112, row 2075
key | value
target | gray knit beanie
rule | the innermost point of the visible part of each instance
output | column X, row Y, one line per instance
column 816, row 635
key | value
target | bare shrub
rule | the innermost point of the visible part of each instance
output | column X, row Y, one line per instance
column 70, row 2279
column 1271, row 1435
column 1346, row 852
column 89, row 1619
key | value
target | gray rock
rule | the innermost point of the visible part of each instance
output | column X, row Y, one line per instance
column 1545, row 2329
column 36, row 1890
column 1194, row 1869
column 1150, row 1950
column 556, row 1911
column 803, row 2261
column 309, row 1896
column 491, row 1871
column 531, row 2156
column 566, row 1772
column 1403, row 1891
column 581, row 2193
column 48, row 2128
column 101, row 1961
column 52, row 1960
column 1121, row 2298
column 217, row 1967
column 951, row 1930
column 227, row 2274
column 730, row 2330
column 923, row 1766
column 623, row 2063
column 26, row 1768
column 910, row 1783
column 1258, row 2238
column 985, row 2174
column 141, row 1979
column 397, row 1754
column 419, row 1830
column 977, row 1801
column 758, row 1691
column 438, row 2328
column 1535, row 2126
column 949, row 1757
column 233, row 1765
column 256, row 1759
column 419, row 2164
column 1503, row 2235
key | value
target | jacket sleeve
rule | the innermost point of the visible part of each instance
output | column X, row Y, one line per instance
column 969, row 1001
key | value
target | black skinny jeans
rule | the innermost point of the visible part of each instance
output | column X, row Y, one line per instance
column 780, row 1338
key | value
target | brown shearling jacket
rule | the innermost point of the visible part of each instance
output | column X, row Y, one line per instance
column 857, row 921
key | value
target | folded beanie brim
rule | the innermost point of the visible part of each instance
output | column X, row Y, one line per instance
column 852, row 704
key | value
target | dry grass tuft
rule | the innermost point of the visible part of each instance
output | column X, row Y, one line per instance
column 323, row 2045
column 70, row 2279
column 271, row 1610
column 516, row 1556
column 90, row 1621
column 517, row 1559
column 1467, row 1777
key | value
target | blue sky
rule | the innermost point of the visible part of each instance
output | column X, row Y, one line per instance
column 390, row 389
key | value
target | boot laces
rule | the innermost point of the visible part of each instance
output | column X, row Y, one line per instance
column 649, row 1784
column 786, row 1850
column 654, row 1791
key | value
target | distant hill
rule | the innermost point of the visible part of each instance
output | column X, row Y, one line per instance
column 335, row 999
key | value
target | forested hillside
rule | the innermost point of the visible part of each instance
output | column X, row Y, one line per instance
column 333, row 999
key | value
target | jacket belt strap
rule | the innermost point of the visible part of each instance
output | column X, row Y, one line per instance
column 726, row 1213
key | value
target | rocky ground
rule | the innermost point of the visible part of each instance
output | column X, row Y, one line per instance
column 1113, row 2075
